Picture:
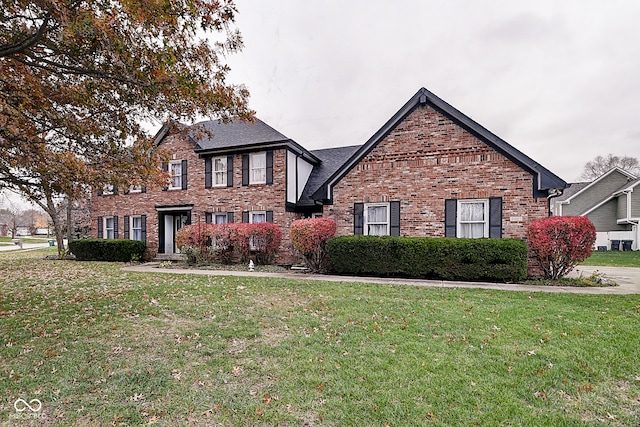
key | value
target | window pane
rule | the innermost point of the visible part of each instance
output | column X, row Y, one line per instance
column 176, row 174
column 472, row 211
column 258, row 218
column 472, row 231
column 377, row 214
column 377, row 230
column 221, row 218
column 220, row 164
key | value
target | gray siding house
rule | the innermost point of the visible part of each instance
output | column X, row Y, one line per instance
column 610, row 203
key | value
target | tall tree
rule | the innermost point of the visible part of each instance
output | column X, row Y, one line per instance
column 601, row 165
column 78, row 78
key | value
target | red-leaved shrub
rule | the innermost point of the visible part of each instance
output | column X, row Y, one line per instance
column 223, row 243
column 264, row 239
column 561, row 242
column 311, row 237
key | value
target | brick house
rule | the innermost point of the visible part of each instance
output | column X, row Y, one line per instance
column 429, row 171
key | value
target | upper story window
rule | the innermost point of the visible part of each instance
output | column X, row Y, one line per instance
column 175, row 174
column 473, row 218
column 220, row 171
column 258, row 168
column 108, row 190
column 376, row 219
column 135, row 189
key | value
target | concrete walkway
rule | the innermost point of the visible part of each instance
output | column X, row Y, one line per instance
column 25, row 246
column 627, row 278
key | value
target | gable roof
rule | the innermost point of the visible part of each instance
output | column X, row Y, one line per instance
column 545, row 180
column 217, row 137
column 584, row 188
column 572, row 188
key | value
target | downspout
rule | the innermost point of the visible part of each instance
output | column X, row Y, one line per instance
column 554, row 192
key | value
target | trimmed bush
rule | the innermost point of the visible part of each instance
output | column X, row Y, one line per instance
column 311, row 238
column 107, row 250
column 559, row 243
column 495, row 260
column 205, row 243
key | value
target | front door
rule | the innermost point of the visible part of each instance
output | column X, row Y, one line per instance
column 170, row 223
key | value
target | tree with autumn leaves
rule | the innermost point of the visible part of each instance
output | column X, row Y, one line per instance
column 78, row 79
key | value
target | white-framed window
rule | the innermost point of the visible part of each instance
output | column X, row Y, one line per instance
column 135, row 227
column 109, row 227
column 108, row 190
column 220, row 218
column 376, row 219
column 219, row 171
column 473, row 218
column 256, row 217
column 135, row 189
column 258, row 168
column 175, row 174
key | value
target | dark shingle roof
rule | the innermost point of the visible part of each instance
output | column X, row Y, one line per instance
column 332, row 159
column 215, row 135
column 572, row 189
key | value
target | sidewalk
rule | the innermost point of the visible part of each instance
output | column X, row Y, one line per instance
column 627, row 278
column 25, row 246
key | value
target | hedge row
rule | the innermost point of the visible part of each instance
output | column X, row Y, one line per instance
column 107, row 250
column 495, row 260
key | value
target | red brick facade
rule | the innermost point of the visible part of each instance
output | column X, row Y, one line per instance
column 425, row 160
column 236, row 199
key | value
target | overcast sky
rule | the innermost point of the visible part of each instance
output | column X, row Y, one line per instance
column 559, row 80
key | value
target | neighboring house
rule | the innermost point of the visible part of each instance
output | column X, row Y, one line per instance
column 429, row 171
column 610, row 203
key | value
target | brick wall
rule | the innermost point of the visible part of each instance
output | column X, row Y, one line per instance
column 426, row 159
column 235, row 199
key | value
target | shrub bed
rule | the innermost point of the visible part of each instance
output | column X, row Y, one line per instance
column 107, row 250
column 495, row 260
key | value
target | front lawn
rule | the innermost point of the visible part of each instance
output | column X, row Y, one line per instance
column 614, row 258
column 99, row 346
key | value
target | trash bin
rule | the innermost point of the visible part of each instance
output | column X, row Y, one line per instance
column 52, row 242
column 602, row 248
column 626, row 245
column 615, row 245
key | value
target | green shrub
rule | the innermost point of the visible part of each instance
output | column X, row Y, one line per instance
column 496, row 260
column 107, row 250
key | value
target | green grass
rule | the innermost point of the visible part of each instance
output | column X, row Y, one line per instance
column 99, row 346
column 614, row 258
column 9, row 240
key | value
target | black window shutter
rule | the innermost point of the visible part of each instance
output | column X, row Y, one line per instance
column 394, row 216
column 270, row 216
column 143, row 228
column 127, row 190
column 115, row 227
column 160, row 233
column 269, row 167
column 100, row 227
column 184, row 174
column 450, row 216
column 229, row 217
column 188, row 218
column 245, row 217
column 495, row 217
column 126, row 227
column 115, row 189
column 245, row 169
column 207, row 172
column 358, row 219
column 165, row 168
column 230, row 171
column 100, row 192
column 144, row 189
column 208, row 217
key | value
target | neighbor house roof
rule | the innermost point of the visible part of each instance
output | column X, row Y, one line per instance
column 545, row 180
column 585, row 186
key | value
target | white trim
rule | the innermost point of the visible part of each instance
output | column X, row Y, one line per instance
column 172, row 177
column 366, row 222
column 484, row 222
column 105, row 230
column 214, row 172
column 131, row 228
column 252, row 213
column 601, row 177
column 262, row 154
column 173, row 208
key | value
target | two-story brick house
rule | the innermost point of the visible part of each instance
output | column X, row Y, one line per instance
column 429, row 171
